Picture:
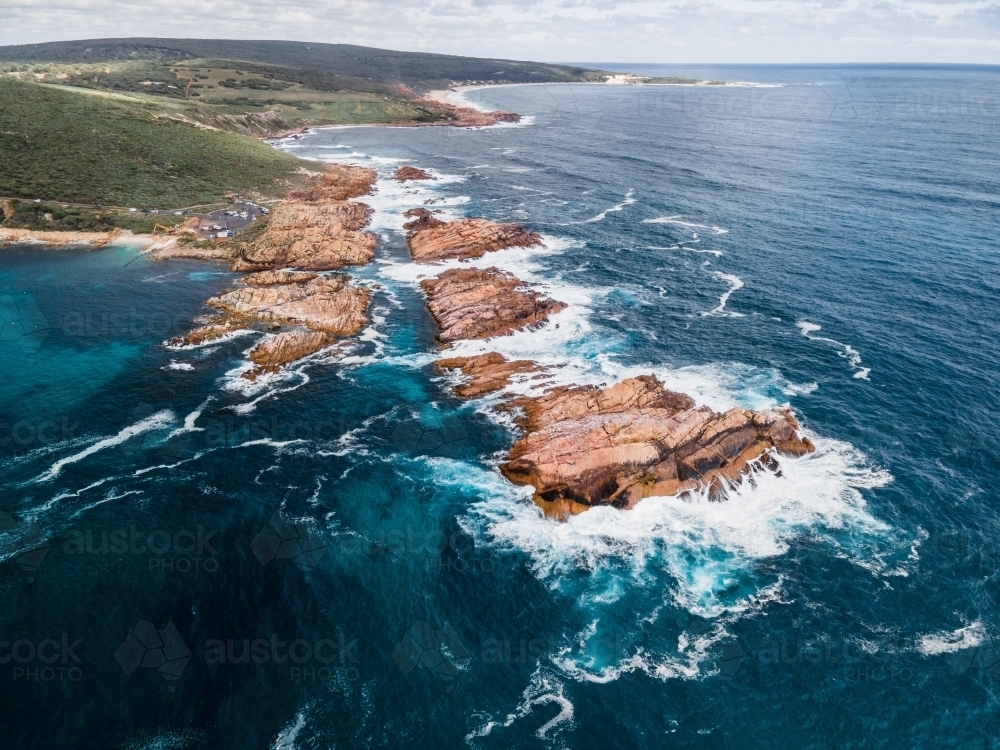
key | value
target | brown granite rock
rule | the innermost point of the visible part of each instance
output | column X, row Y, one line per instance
column 466, row 238
column 212, row 329
column 323, row 304
column 281, row 349
column 406, row 173
column 172, row 249
column 421, row 218
column 317, row 237
column 467, row 117
column 485, row 374
column 340, row 182
column 473, row 303
column 269, row 278
column 585, row 446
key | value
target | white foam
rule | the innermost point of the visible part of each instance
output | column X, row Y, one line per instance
column 545, row 687
column 629, row 200
column 735, row 283
column 191, row 419
column 704, row 546
column 848, row 352
column 157, row 421
column 687, row 663
column 286, row 739
column 946, row 642
column 175, row 365
column 272, row 443
column 212, row 342
column 679, row 221
column 716, row 253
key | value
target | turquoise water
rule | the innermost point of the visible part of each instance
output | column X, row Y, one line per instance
column 827, row 239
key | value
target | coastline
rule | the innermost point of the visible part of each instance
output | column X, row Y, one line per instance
column 56, row 239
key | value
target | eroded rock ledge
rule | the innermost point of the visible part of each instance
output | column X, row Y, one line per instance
column 325, row 304
column 485, row 374
column 472, row 303
column 284, row 348
column 584, row 446
column 430, row 239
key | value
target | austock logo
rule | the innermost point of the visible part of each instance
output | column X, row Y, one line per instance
column 432, row 435
column 288, row 540
column 731, row 658
column 437, row 650
column 148, row 648
column 30, row 549
column 22, row 324
column 42, row 661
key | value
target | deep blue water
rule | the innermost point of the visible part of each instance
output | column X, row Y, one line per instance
column 851, row 602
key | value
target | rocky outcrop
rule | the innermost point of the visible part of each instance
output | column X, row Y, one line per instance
column 584, row 446
column 316, row 229
column 472, row 303
column 324, row 304
column 318, row 237
column 485, row 374
column 269, row 278
column 581, row 446
column 281, row 349
column 340, row 182
column 212, row 329
column 467, row 117
column 171, row 248
column 421, row 218
column 407, row 173
column 464, row 238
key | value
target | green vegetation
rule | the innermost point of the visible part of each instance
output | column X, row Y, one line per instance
column 64, row 146
column 359, row 68
column 59, row 217
column 162, row 123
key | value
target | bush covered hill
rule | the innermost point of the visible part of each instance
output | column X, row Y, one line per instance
column 164, row 122
column 361, row 66
column 96, row 148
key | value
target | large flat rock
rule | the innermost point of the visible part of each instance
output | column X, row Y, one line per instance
column 472, row 303
column 465, row 238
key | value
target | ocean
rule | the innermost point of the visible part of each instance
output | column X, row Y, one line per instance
column 330, row 558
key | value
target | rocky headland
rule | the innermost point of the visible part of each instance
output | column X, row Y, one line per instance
column 466, row 117
column 317, row 229
column 340, row 182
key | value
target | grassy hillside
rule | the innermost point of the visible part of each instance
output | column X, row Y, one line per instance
column 162, row 123
column 92, row 148
column 363, row 66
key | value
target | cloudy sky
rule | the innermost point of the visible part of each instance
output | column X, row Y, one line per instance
column 554, row 30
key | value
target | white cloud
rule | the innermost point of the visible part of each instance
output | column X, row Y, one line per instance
column 555, row 30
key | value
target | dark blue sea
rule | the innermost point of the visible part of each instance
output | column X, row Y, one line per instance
column 330, row 559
